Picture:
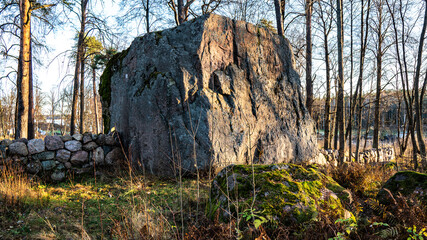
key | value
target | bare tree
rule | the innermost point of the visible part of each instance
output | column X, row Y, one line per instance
column 308, row 57
column 340, row 102
column 326, row 19
column 279, row 21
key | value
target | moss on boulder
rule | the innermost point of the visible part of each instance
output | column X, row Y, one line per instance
column 405, row 183
column 285, row 193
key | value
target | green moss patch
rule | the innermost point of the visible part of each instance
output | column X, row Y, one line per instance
column 283, row 193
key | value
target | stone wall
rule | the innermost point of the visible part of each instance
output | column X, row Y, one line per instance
column 57, row 156
column 383, row 155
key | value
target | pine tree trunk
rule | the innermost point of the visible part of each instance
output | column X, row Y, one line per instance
column 24, row 73
column 279, row 22
column 340, row 103
column 82, row 95
column 376, row 139
column 95, row 104
column 31, row 134
column 79, row 58
column 328, row 94
column 180, row 11
column 308, row 60
column 418, row 98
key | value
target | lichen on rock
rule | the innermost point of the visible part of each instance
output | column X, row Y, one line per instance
column 285, row 193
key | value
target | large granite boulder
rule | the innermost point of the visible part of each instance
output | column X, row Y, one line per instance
column 225, row 88
column 285, row 193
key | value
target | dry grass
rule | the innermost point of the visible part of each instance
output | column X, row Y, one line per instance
column 17, row 189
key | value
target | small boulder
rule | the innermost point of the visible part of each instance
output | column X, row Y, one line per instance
column 78, row 137
column 94, row 137
column 66, row 138
column 79, row 158
column 43, row 156
column 36, row 146
column 286, row 193
column 2, row 151
column 405, row 183
column 34, row 167
column 6, row 142
column 18, row 148
column 48, row 165
column 53, row 143
column 98, row 156
column 63, row 155
column 113, row 156
column 68, row 165
column 101, row 139
column 90, row 146
column 73, row 146
column 110, row 141
column 58, row 176
column 87, row 137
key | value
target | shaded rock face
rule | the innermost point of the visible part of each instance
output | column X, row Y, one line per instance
column 225, row 88
column 286, row 193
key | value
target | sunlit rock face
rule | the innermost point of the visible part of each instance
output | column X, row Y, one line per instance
column 208, row 93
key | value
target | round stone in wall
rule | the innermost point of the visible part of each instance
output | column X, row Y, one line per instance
column 63, row 155
column 79, row 158
column 66, row 138
column 87, row 137
column 90, row 146
column 18, row 148
column 98, row 156
column 35, row 146
column 73, row 146
column 34, row 167
column 53, row 143
column 58, row 176
column 78, row 136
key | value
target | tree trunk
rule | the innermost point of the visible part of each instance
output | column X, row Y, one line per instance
column 82, row 95
column 79, row 59
column 308, row 60
column 24, row 72
column 418, row 99
column 147, row 18
column 340, row 103
column 376, row 139
column 31, row 134
column 95, row 104
column 279, row 22
column 350, row 119
column 363, row 46
column 180, row 11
